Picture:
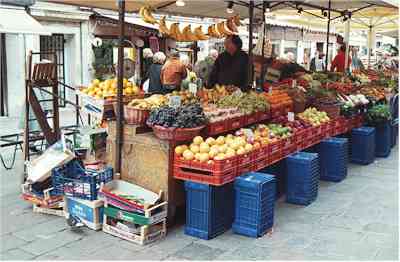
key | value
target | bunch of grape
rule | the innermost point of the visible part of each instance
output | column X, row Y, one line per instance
column 187, row 116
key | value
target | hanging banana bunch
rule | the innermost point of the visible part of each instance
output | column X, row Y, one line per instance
column 146, row 15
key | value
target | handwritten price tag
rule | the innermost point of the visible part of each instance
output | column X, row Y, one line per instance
column 192, row 88
column 175, row 101
column 290, row 116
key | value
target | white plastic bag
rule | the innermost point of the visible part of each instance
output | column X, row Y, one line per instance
column 146, row 86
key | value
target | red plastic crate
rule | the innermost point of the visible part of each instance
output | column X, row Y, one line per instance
column 204, row 177
column 244, row 159
column 260, row 163
column 216, row 128
column 245, row 168
column 235, row 123
column 257, row 153
column 261, row 116
column 218, row 166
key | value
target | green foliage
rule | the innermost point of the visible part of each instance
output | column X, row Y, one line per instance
column 378, row 113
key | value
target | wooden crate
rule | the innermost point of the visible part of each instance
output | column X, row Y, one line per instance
column 145, row 161
column 49, row 211
column 147, row 235
column 89, row 212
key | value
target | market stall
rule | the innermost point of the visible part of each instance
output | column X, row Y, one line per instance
column 206, row 137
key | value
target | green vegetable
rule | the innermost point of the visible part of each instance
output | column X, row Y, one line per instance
column 378, row 114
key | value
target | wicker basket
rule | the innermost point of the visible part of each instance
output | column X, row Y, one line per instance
column 135, row 116
column 176, row 134
column 333, row 110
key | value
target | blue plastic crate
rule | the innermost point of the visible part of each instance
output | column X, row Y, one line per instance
column 333, row 158
column 209, row 209
column 383, row 140
column 303, row 178
column 279, row 171
column 75, row 181
column 254, row 204
column 363, row 145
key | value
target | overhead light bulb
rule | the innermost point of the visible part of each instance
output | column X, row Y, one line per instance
column 180, row 3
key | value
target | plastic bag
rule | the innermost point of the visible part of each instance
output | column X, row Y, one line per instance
column 146, row 85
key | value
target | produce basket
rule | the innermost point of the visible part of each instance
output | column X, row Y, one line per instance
column 261, row 116
column 134, row 116
column 216, row 128
column 75, row 181
column 176, row 134
column 250, row 119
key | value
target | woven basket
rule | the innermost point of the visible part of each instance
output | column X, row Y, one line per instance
column 333, row 111
column 176, row 134
column 135, row 116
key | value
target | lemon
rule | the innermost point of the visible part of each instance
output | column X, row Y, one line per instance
column 96, row 81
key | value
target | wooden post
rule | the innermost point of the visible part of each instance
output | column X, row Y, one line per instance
column 251, row 16
column 120, row 76
column 262, row 75
column 327, row 35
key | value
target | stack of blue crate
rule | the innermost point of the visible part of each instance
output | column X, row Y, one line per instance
column 302, row 178
column 333, row 158
column 209, row 209
column 279, row 171
column 254, row 204
column 383, row 139
column 363, row 145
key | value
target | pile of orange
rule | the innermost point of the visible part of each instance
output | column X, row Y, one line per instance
column 108, row 88
column 278, row 99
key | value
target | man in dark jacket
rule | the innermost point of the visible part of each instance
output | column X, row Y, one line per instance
column 155, row 86
column 231, row 66
column 317, row 63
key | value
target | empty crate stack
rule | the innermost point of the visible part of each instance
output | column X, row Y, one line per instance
column 209, row 209
column 332, row 153
column 279, row 171
column 302, row 178
column 254, row 204
column 363, row 145
column 383, row 140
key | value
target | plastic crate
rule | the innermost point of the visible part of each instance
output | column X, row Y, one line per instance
column 216, row 128
column 302, row 178
column 333, row 158
column 383, row 140
column 75, row 181
column 89, row 212
column 254, row 204
column 363, row 145
column 278, row 170
column 209, row 209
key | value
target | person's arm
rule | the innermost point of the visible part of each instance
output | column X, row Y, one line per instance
column 334, row 64
column 162, row 75
column 184, row 72
column 212, row 79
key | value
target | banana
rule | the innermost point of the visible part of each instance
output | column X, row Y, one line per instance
column 187, row 34
column 231, row 25
column 222, row 30
column 199, row 34
column 236, row 19
column 162, row 27
column 148, row 16
column 212, row 32
column 173, row 31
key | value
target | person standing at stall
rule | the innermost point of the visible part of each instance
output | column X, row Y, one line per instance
column 173, row 72
column 231, row 66
column 338, row 63
column 356, row 63
column 317, row 63
column 155, row 86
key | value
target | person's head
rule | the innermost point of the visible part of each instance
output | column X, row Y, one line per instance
column 320, row 54
column 290, row 56
column 343, row 48
column 232, row 44
column 213, row 54
column 147, row 53
column 173, row 53
column 159, row 58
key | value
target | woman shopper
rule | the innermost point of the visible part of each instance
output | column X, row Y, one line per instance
column 155, row 86
column 338, row 63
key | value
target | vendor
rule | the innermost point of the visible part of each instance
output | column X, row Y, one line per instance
column 317, row 63
column 231, row 66
column 338, row 63
column 173, row 72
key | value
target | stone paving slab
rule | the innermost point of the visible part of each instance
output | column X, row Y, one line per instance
column 356, row 219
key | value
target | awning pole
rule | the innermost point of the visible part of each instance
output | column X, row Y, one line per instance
column 347, row 40
column 120, row 75
column 263, row 44
column 251, row 16
column 327, row 35
column 369, row 45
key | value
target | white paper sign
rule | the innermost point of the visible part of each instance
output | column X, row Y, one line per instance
column 175, row 101
column 290, row 116
column 270, row 90
column 294, row 83
column 193, row 88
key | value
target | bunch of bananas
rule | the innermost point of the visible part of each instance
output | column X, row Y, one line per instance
column 218, row 30
column 146, row 15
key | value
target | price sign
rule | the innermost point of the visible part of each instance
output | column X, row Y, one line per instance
column 270, row 90
column 238, row 92
column 290, row 116
column 193, row 88
column 175, row 101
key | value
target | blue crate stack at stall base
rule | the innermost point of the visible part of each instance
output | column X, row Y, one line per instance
column 394, row 133
column 383, row 140
column 302, row 178
column 209, row 209
column 333, row 158
column 73, row 180
column 363, row 145
column 254, row 204
column 280, row 172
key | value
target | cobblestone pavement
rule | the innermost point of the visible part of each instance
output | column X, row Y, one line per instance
column 356, row 219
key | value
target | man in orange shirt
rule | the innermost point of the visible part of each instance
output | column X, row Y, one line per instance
column 173, row 72
column 338, row 63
